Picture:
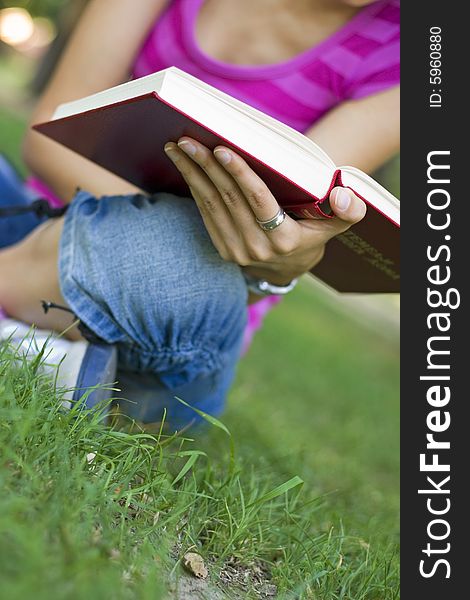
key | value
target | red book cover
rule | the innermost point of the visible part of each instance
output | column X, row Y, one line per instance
column 128, row 137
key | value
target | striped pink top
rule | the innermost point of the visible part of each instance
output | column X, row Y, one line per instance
column 360, row 59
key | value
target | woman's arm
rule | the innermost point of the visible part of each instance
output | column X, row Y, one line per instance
column 99, row 55
column 361, row 133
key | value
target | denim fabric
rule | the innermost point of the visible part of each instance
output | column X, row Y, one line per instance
column 14, row 193
column 141, row 272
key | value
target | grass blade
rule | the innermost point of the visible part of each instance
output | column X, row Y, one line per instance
column 187, row 466
column 278, row 491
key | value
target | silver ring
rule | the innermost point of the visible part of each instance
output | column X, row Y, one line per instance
column 271, row 224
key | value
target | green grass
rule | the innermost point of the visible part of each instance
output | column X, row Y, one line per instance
column 316, row 398
column 332, row 422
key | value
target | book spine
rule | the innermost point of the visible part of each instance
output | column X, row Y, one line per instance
column 318, row 209
column 308, row 211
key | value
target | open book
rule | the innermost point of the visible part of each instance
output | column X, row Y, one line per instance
column 125, row 128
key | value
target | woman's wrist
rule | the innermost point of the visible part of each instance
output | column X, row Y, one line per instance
column 262, row 287
column 272, row 276
column 282, row 273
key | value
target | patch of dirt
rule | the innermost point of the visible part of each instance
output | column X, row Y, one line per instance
column 188, row 587
column 235, row 581
column 254, row 577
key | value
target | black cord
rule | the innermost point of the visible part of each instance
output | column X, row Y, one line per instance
column 40, row 207
column 87, row 333
column 46, row 306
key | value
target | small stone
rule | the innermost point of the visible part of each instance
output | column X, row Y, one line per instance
column 194, row 564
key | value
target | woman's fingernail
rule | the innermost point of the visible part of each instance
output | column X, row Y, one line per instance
column 222, row 156
column 170, row 151
column 187, row 147
column 342, row 200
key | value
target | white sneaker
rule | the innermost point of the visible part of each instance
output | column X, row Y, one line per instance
column 76, row 365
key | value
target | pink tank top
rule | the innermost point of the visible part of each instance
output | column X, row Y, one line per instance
column 360, row 59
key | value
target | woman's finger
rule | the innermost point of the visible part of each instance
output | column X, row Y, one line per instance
column 227, row 187
column 202, row 188
column 219, row 224
column 258, row 242
column 256, row 192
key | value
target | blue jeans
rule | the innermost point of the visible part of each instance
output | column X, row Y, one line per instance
column 14, row 193
column 142, row 273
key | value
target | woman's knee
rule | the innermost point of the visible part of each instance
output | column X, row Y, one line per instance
column 153, row 281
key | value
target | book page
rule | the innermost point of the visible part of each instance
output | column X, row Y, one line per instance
column 119, row 93
column 244, row 128
column 372, row 191
column 278, row 127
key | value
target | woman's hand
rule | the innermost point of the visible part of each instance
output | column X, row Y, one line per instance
column 230, row 197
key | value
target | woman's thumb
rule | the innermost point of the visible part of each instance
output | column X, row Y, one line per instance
column 346, row 205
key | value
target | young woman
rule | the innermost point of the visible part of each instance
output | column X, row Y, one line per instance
column 163, row 278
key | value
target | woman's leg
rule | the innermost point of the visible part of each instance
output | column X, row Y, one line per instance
column 29, row 274
column 143, row 274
